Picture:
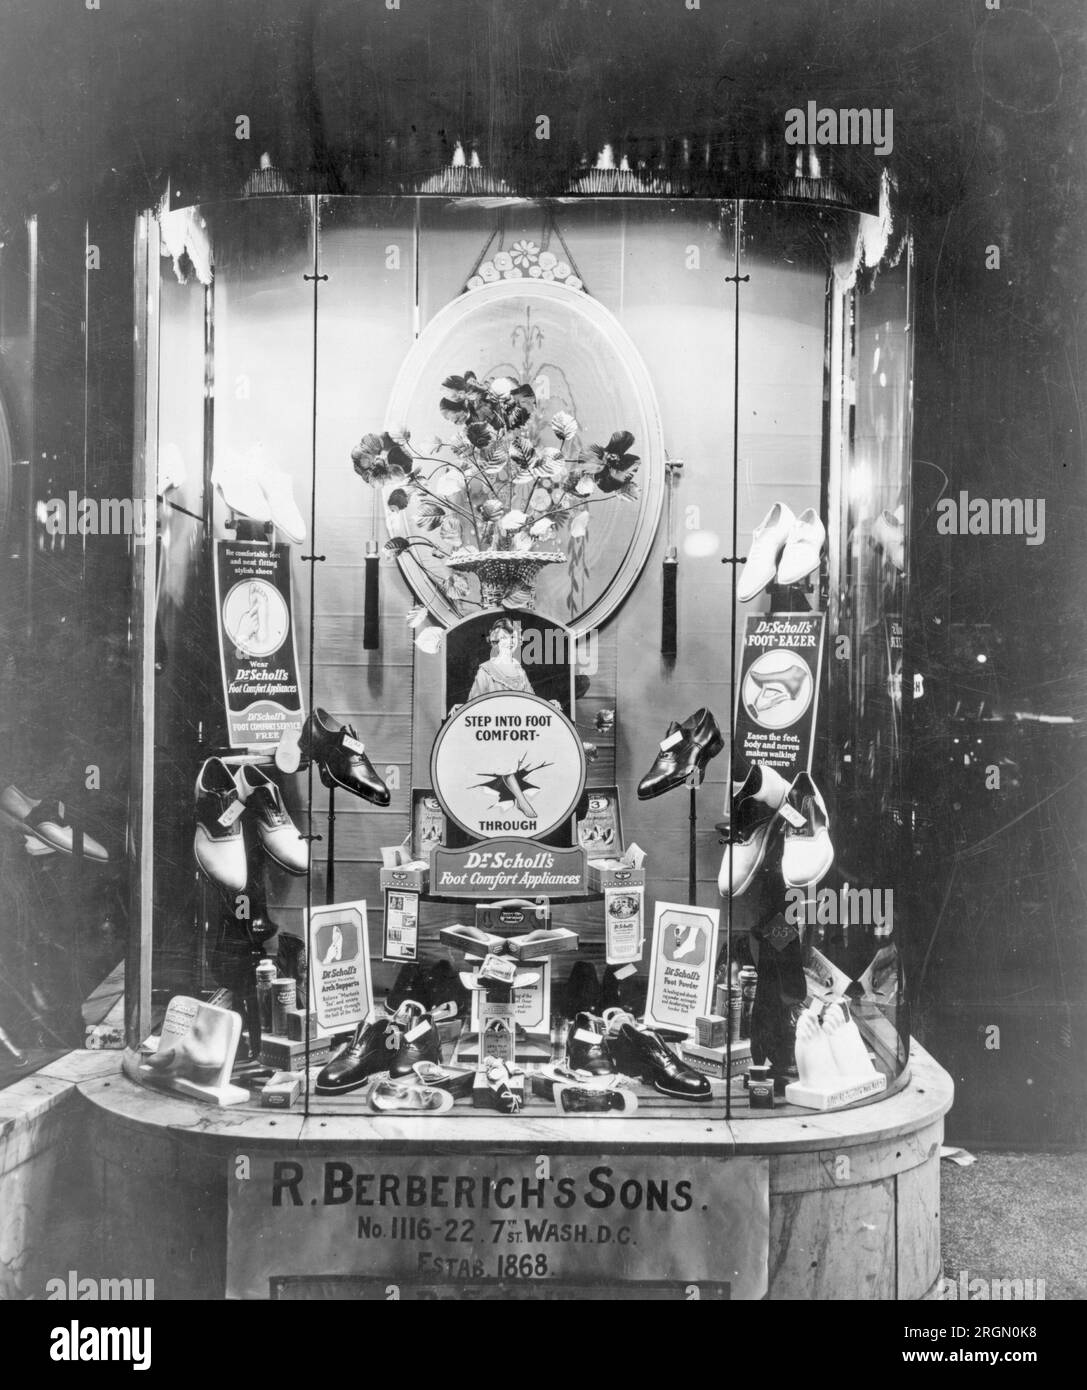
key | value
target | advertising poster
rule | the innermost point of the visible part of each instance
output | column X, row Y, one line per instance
column 401, row 926
column 257, row 657
column 778, row 694
column 682, row 965
column 508, row 764
column 341, row 993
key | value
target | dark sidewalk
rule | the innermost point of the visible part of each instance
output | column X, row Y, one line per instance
column 1018, row 1216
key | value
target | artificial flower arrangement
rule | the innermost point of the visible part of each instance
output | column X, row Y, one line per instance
column 499, row 498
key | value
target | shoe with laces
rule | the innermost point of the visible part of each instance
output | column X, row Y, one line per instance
column 371, row 1050
column 755, row 808
column 803, row 548
column 341, row 759
column 767, row 542
column 587, row 1046
column 808, row 852
column 638, row 1052
column 419, row 1040
column 218, row 842
column 278, row 835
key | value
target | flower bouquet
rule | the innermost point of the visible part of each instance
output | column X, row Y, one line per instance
column 500, row 499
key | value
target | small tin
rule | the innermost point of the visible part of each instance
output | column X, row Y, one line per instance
column 760, row 1088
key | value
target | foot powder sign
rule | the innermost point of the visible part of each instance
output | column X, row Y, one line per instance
column 682, row 966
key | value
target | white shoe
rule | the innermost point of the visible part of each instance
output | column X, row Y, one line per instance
column 278, row 834
column 238, row 479
column 803, row 547
column 46, row 823
column 766, row 545
column 285, row 514
column 808, row 852
column 755, row 808
column 889, row 533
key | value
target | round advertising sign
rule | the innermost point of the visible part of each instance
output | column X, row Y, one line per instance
column 778, row 689
column 508, row 764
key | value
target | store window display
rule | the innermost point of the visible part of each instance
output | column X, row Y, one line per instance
column 519, row 388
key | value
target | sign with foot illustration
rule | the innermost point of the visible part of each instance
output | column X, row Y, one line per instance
column 681, row 966
column 508, row 764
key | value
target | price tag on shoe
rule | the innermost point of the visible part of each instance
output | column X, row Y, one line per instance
column 793, row 816
column 353, row 745
column 231, row 814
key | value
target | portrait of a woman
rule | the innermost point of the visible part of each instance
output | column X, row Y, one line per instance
column 503, row 672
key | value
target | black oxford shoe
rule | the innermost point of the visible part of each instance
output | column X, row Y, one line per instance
column 418, row 1039
column 637, row 1051
column 587, row 1047
column 371, row 1050
column 341, row 759
column 684, row 751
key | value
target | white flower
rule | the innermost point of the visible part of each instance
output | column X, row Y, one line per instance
column 502, row 260
column 535, row 271
column 522, row 541
column 573, row 282
column 513, row 520
column 564, row 424
column 475, row 283
column 547, row 275
column 430, row 640
column 445, row 482
column 502, row 385
column 540, row 501
column 524, row 253
column 548, row 260
column 543, row 528
column 580, row 523
column 584, row 487
column 488, row 272
column 562, row 269
column 514, row 273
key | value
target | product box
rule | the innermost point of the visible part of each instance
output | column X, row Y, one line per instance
column 497, row 970
column 427, row 823
column 711, row 1030
column 296, row 1024
column 483, row 1098
column 513, row 916
column 712, row 1061
column 473, row 939
column 600, row 821
column 289, row 1054
column 548, row 941
column 412, row 876
column 614, row 873
column 281, row 1090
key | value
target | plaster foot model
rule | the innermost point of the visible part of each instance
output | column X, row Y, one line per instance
column 814, row 1059
column 846, row 1044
